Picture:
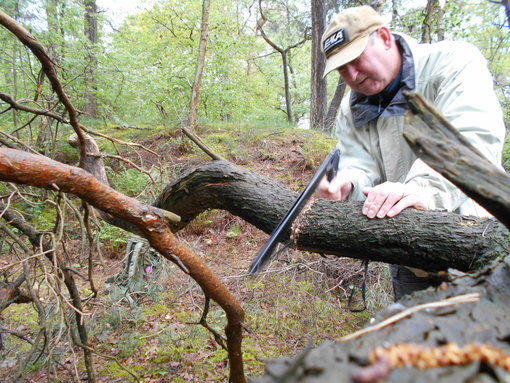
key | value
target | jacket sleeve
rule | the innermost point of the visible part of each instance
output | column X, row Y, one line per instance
column 356, row 164
column 460, row 87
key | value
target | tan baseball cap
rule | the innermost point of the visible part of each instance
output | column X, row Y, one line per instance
column 347, row 35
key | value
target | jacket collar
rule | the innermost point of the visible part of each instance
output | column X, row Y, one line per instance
column 391, row 101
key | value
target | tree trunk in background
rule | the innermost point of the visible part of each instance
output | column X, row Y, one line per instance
column 334, row 105
column 14, row 69
column 318, row 85
column 290, row 114
column 195, row 91
column 378, row 5
column 91, row 32
column 506, row 5
column 51, row 8
column 433, row 22
column 395, row 7
column 283, row 52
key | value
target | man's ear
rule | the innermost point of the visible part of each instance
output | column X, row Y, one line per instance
column 385, row 35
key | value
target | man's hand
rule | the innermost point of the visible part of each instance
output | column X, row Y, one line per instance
column 389, row 199
column 337, row 189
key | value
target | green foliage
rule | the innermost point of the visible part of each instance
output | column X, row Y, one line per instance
column 128, row 344
column 112, row 235
column 482, row 23
column 146, row 65
column 130, row 182
column 316, row 146
column 234, row 231
column 506, row 153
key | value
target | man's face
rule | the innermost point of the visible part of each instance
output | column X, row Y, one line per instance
column 373, row 70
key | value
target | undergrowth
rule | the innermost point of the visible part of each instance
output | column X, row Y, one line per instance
column 300, row 298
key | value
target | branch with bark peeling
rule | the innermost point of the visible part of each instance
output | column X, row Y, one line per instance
column 21, row 167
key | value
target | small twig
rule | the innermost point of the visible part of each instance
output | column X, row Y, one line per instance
column 202, row 145
column 473, row 297
column 5, row 330
column 23, row 365
column 77, row 342
column 123, row 159
column 91, row 249
column 23, row 145
column 16, row 105
column 116, row 140
column 203, row 321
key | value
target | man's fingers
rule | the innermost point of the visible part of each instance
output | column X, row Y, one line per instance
column 388, row 200
column 337, row 189
column 411, row 200
column 379, row 202
column 345, row 190
column 323, row 188
column 389, row 203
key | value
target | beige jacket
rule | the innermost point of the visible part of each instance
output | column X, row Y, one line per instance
column 455, row 78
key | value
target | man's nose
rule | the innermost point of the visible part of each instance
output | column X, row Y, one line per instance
column 349, row 72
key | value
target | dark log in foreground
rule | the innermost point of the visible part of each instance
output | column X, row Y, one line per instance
column 443, row 148
column 485, row 322
column 430, row 240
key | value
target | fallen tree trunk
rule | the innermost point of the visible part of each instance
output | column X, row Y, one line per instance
column 430, row 240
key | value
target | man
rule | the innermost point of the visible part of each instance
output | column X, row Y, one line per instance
column 377, row 165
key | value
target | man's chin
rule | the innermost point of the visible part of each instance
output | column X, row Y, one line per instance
column 367, row 91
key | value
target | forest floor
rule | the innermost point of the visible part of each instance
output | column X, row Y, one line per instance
column 300, row 298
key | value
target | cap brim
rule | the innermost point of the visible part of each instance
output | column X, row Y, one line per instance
column 346, row 54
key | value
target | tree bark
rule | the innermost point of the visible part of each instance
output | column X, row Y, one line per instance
column 483, row 321
column 91, row 32
column 430, row 240
column 318, row 84
column 433, row 17
column 442, row 147
column 334, row 105
column 202, row 48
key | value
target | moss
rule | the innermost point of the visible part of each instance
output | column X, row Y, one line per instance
column 129, row 182
column 316, row 146
column 129, row 344
column 506, row 153
column 112, row 370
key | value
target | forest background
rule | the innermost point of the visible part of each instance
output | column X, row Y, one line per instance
column 132, row 78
